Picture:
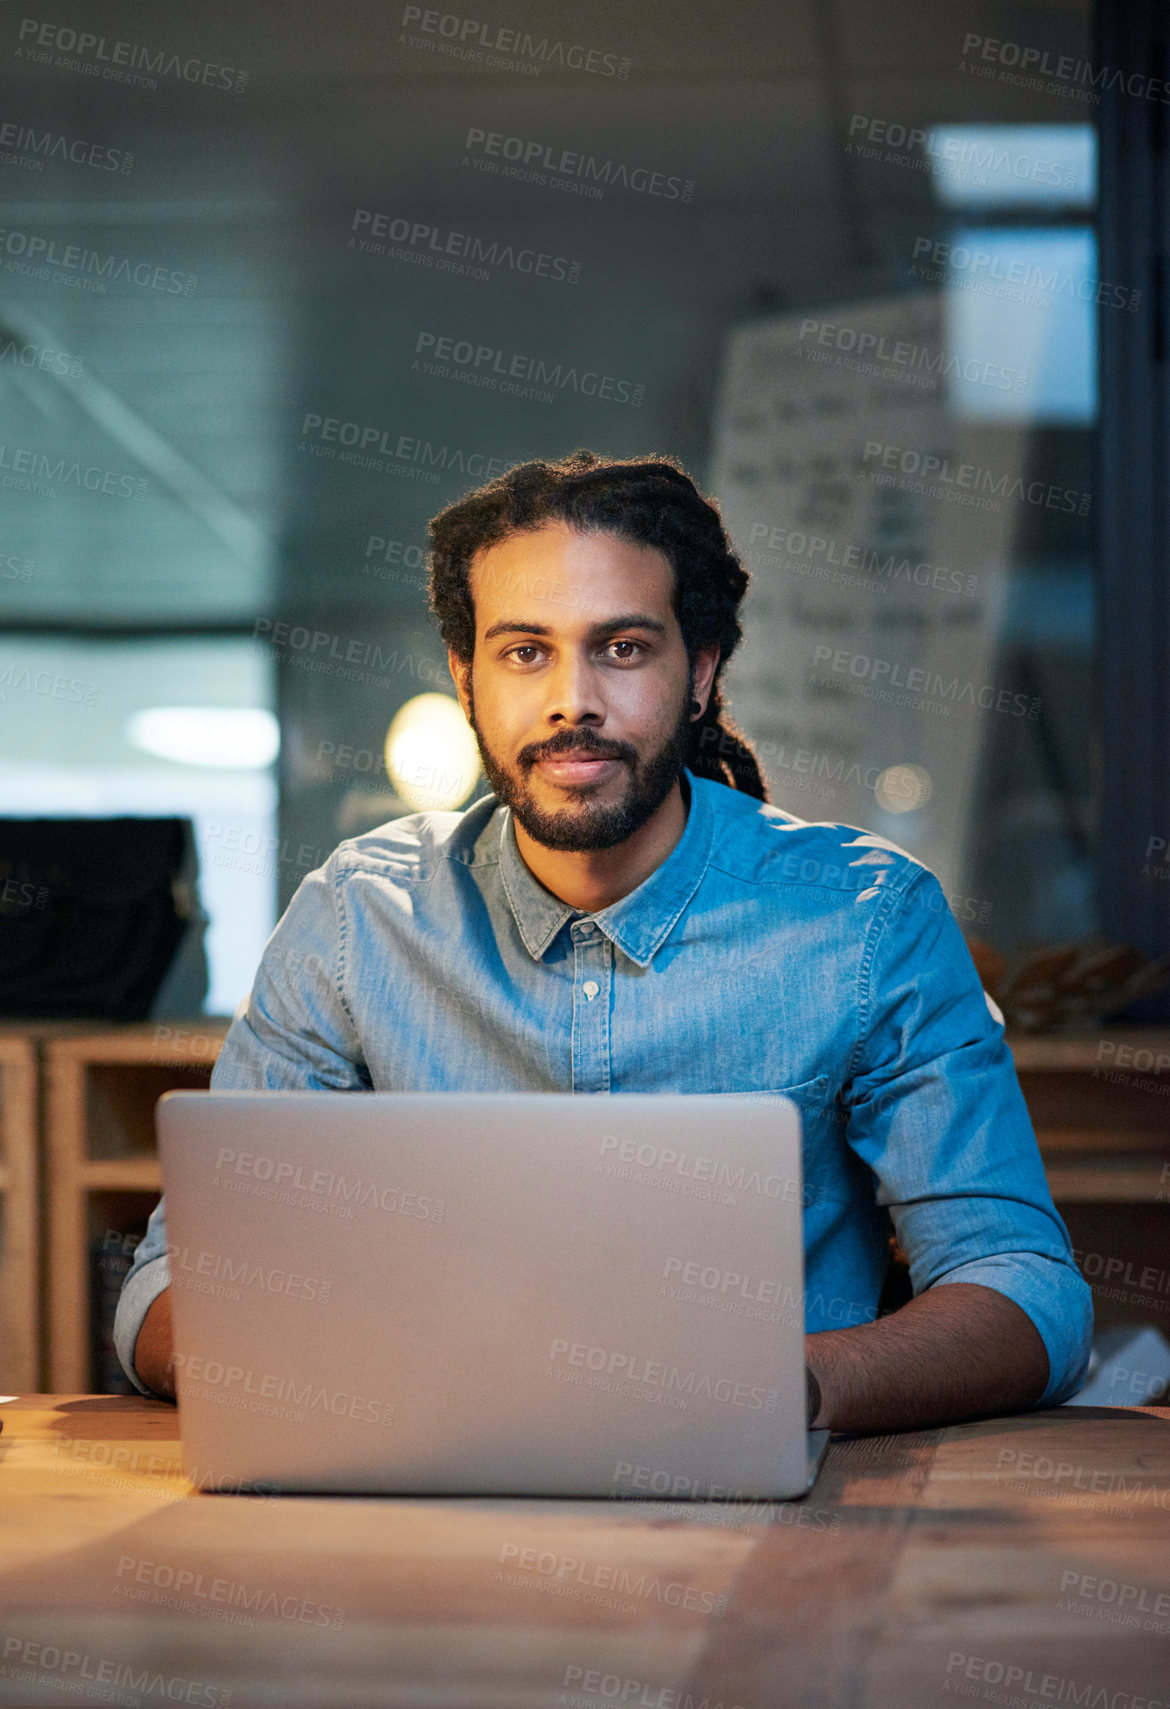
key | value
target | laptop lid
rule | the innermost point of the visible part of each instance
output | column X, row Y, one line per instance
column 459, row 1293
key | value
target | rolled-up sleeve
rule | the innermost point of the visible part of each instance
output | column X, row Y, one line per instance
column 936, row 1112
column 294, row 1033
column 145, row 1280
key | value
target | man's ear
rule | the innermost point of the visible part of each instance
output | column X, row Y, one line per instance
column 706, row 664
column 460, row 674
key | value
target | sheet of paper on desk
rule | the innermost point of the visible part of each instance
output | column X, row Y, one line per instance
column 1130, row 1367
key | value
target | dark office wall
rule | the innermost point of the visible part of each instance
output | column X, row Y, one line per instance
column 759, row 206
column 1133, row 632
column 733, row 189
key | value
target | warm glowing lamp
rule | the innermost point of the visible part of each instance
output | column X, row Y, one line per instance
column 431, row 754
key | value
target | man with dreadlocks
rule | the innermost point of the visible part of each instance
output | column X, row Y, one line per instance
column 625, row 912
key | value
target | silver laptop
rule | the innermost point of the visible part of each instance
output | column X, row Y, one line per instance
column 489, row 1294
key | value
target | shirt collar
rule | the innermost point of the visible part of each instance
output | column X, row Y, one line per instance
column 637, row 923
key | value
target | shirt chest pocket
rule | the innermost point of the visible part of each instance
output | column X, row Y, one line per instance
column 824, row 1154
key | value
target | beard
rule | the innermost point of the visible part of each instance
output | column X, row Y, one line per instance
column 585, row 825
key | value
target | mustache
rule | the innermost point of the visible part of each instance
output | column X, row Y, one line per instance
column 579, row 743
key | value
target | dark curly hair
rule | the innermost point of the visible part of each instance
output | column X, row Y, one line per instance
column 649, row 501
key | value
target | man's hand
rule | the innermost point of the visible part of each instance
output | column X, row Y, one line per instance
column 154, row 1351
column 955, row 1352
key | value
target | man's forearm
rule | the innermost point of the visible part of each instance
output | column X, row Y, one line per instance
column 954, row 1352
column 154, row 1351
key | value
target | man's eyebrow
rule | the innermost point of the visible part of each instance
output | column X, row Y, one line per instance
column 630, row 620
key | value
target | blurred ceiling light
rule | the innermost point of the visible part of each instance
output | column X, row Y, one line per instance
column 999, row 166
column 225, row 738
column 431, row 754
column 903, row 788
column 1044, row 333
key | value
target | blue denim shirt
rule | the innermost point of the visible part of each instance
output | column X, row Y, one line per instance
column 765, row 954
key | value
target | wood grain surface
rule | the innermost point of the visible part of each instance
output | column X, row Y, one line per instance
column 1018, row 1561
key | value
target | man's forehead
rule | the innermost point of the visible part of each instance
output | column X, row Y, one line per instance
column 572, row 568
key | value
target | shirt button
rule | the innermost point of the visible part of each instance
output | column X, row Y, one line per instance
column 591, row 988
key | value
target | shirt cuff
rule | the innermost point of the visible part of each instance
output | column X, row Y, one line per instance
column 1058, row 1301
column 139, row 1293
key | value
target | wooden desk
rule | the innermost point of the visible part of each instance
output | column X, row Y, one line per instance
column 922, row 1568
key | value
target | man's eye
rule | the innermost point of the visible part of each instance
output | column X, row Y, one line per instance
column 636, row 645
column 525, row 647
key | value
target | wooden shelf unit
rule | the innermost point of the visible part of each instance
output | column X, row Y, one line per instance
column 1100, row 1104
column 101, row 1086
column 1103, row 1129
column 20, row 1288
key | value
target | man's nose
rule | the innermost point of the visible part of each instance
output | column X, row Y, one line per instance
column 574, row 693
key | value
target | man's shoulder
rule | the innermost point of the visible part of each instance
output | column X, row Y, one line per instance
column 412, row 849
column 762, row 844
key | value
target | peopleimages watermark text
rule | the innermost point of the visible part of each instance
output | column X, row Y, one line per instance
column 446, row 357
column 505, row 48
column 940, row 474
column 102, row 57
column 532, row 161
column 946, row 260
column 453, row 251
column 1029, row 67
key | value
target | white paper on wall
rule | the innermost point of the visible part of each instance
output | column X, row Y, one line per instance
column 878, row 536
